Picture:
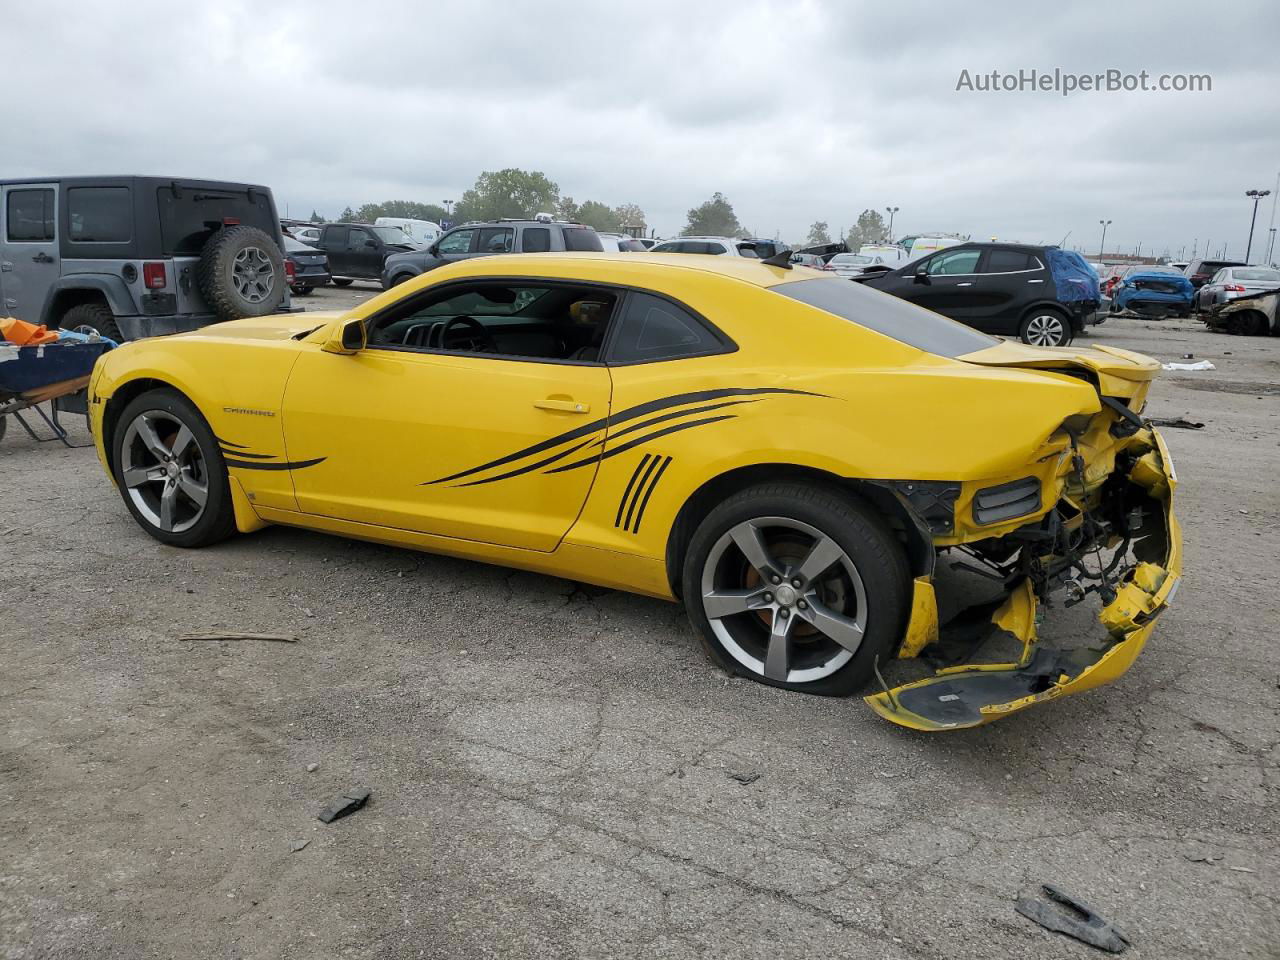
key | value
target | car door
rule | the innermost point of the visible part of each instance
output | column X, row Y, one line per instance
column 29, row 263
column 334, row 243
column 447, row 443
column 456, row 245
column 947, row 283
column 365, row 252
column 494, row 240
column 1008, row 280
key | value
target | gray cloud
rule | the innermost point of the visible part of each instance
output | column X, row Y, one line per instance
column 797, row 112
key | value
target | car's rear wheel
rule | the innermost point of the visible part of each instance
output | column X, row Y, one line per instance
column 796, row 586
column 1046, row 328
column 170, row 471
column 92, row 318
column 342, row 281
column 302, row 291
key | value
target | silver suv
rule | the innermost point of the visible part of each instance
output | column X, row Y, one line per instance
column 136, row 257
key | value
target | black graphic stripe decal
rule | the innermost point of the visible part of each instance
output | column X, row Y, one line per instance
column 515, row 473
column 649, row 493
column 614, row 434
column 644, row 479
column 635, row 443
column 626, row 494
column 228, row 443
column 248, row 455
column 631, row 413
column 282, row 465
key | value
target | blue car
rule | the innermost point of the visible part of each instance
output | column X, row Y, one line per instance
column 1154, row 293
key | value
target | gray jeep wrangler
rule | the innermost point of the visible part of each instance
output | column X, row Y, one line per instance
column 136, row 257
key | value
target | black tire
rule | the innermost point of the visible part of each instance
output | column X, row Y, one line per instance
column 4, row 426
column 217, row 522
column 858, row 531
column 86, row 317
column 302, row 291
column 342, row 281
column 400, row 278
column 1037, row 318
column 218, row 270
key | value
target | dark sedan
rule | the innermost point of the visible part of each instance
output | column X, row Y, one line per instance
column 305, row 266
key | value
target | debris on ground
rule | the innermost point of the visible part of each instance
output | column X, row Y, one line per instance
column 1179, row 422
column 347, row 804
column 1198, row 365
column 1074, row 918
column 745, row 778
column 312, row 767
column 298, row 845
column 276, row 637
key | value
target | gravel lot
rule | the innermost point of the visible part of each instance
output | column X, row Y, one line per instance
column 553, row 766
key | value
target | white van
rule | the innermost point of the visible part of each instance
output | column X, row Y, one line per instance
column 923, row 245
column 421, row 233
column 890, row 254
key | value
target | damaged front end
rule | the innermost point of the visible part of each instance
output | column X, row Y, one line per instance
column 1111, row 533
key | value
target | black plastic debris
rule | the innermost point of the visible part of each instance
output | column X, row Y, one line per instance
column 1175, row 422
column 1074, row 918
column 345, row 805
column 745, row 778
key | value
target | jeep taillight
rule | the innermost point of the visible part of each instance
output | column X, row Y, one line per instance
column 153, row 275
column 290, row 270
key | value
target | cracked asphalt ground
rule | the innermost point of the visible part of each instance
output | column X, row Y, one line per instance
column 558, row 772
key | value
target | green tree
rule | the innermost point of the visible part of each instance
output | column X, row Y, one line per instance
column 630, row 216
column 508, row 193
column 316, row 218
column 409, row 209
column 566, row 209
column 348, row 215
column 603, row 218
column 870, row 228
column 713, row 218
column 818, row 233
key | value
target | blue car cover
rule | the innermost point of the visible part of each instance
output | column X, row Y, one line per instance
column 1073, row 278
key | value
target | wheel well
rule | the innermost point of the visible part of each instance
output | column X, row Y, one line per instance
column 121, row 399
column 64, row 300
column 905, row 527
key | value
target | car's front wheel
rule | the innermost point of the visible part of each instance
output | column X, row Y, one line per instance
column 342, row 281
column 797, row 586
column 170, row 472
column 1045, row 328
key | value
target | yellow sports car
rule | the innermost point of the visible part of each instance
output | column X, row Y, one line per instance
column 785, row 451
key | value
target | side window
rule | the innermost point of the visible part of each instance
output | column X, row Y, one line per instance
column 656, row 329
column 30, row 216
column 1008, row 261
column 100, row 214
column 457, row 242
column 957, row 262
column 356, row 239
column 496, row 240
column 535, row 240
column 335, row 237
column 582, row 239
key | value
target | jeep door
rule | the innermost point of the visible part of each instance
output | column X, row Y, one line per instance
column 29, row 263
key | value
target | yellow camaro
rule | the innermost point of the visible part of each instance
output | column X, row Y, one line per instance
column 783, row 450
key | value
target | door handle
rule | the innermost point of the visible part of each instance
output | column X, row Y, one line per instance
column 42, row 257
column 563, row 406
column 967, row 283
column 1035, row 281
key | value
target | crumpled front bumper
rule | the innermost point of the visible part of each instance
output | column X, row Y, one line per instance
column 970, row 695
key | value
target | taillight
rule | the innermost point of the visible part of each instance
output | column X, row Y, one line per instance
column 1233, row 288
column 231, row 221
column 290, row 270
column 827, row 266
column 153, row 275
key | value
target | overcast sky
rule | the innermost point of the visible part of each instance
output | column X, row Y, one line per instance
column 796, row 111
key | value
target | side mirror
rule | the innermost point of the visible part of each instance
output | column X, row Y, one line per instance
column 434, row 249
column 371, row 243
column 921, row 275
column 347, row 339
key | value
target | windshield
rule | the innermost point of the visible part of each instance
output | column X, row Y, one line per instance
column 1270, row 276
column 888, row 315
column 390, row 234
column 854, row 258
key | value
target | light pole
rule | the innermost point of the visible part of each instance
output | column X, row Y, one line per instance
column 1257, row 195
column 1103, row 245
column 891, row 211
column 448, row 209
column 1271, row 245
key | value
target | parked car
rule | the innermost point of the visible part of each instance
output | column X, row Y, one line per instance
column 887, row 253
column 614, row 242
column 810, row 260
column 357, row 251
column 137, row 257
column 851, row 264
column 684, row 434
column 649, row 242
column 305, row 266
column 1043, row 295
column 1153, row 291
column 309, row 234
column 714, row 246
column 1251, row 314
column 421, row 233
column 1201, row 272
column 492, row 237
column 1230, row 283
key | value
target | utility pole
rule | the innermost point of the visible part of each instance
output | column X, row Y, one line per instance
column 891, row 211
column 1256, row 195
column 1271, row 245
column 1102, row 247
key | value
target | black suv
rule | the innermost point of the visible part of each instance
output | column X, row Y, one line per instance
column 1044, row 295
column 357, row 251
column 136, row 257
column 489, row 238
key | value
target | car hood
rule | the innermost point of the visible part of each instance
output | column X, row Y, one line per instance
column 281, row 327
column 1106, row 363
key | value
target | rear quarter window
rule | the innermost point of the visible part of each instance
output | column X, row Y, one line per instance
column 99, row 215
column 887, row 315
column 582, row 239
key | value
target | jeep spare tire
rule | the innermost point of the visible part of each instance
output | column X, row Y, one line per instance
column 241, row 273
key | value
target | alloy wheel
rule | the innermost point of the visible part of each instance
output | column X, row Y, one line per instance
column 253, row 274
column 164, row 471
column 784, row 599
column 1046, row 330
